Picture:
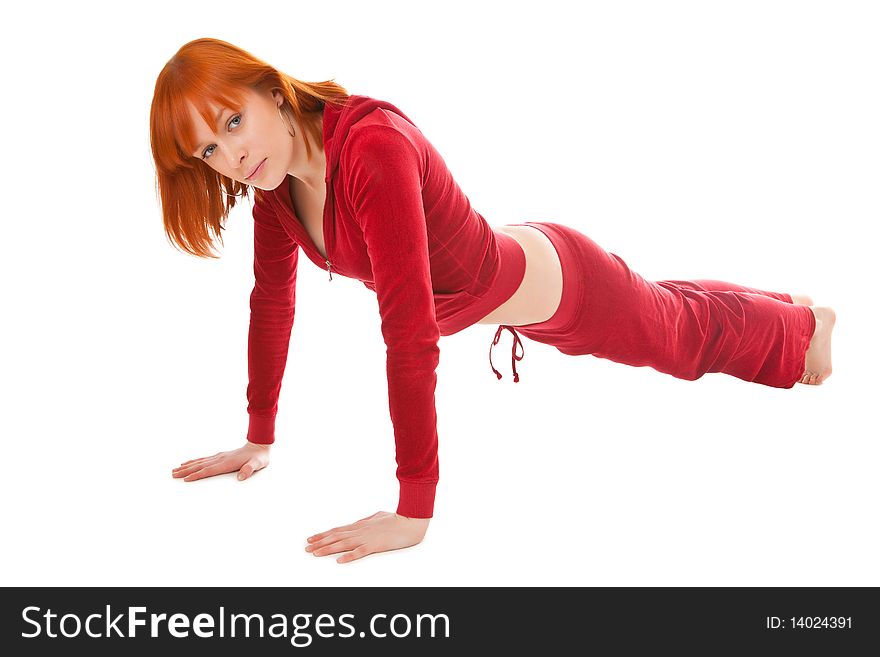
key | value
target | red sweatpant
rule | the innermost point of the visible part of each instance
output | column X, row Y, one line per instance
column 682, row 328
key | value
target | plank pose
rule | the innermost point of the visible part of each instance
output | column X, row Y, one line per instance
column 351, row 183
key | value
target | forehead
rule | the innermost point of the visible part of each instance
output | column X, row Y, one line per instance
column 204, row 110
column 202, row 116
column 195, row 118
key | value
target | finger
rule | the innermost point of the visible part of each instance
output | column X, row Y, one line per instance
column 210, row 471
column 356, row 524
column 183, row 472
column 190, row 464
column 318, row 537
column 185, row 463
column 329, row 538
column 351, row 527
column 342, row 545
column 357, row 553
column 204, row 458
column 246, row 470
column 330, row 531
column 196, row 463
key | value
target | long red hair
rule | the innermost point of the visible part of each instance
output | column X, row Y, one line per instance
column 195, row 199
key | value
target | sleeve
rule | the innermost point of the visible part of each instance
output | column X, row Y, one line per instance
column 272, row 304
column 383, row 171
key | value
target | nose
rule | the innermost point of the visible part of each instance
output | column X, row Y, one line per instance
column 237, row 156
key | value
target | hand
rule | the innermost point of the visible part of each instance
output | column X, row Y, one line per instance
column 247, row 460
column 379, row 532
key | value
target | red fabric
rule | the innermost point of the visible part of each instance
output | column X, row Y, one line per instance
column 396, row 220
column 682, row 328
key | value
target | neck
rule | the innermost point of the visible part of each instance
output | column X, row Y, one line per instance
column 313, row 177
column 311, row 174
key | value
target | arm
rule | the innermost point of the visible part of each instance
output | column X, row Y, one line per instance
column 272, row 303
column 384, row 172
column 384, row 177
column 272, row 309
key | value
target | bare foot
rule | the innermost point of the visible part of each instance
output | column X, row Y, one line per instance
column 801, row 299
column 817, row 366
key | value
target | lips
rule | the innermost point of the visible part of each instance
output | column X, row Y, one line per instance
column 256, row 170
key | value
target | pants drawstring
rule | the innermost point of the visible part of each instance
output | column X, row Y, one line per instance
column 514, row 357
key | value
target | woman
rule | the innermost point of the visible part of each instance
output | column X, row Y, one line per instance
column 354, row 183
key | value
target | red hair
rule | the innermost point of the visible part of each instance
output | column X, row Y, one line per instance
column 194, row 198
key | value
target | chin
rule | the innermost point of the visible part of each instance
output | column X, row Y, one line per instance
column 265, row 185
column 266, row 182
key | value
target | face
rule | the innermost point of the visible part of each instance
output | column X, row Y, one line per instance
column 248, row 138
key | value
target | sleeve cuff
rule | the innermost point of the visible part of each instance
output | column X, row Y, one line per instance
column 261, row 430
column 416, row 500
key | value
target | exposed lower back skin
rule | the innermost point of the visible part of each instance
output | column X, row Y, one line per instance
column 540, row 291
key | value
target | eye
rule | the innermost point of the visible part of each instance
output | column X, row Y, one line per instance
column 238, row 117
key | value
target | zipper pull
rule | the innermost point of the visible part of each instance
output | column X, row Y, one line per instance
column 328, row 269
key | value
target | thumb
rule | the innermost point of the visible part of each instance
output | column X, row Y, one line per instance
column 246, row 471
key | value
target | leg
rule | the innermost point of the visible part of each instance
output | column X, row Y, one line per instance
column 612, row 312
column 706, row 285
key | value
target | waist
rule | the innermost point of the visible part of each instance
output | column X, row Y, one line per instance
column 459, row 310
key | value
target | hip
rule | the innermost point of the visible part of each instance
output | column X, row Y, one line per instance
column 539, row 294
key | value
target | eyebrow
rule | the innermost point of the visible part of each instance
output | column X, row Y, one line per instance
column 200, row 149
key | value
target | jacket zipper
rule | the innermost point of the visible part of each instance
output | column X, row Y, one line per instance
column 328, row 199
column 307, row 240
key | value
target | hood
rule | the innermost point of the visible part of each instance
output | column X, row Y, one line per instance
column 338, row 121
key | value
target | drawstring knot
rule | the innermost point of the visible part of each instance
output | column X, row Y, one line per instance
column 514, row 357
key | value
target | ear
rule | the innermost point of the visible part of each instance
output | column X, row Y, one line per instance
column 278, row 97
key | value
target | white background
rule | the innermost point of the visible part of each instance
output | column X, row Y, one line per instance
column 735, row 141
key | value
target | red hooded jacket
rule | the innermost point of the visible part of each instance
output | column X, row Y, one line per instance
column 394, row 219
